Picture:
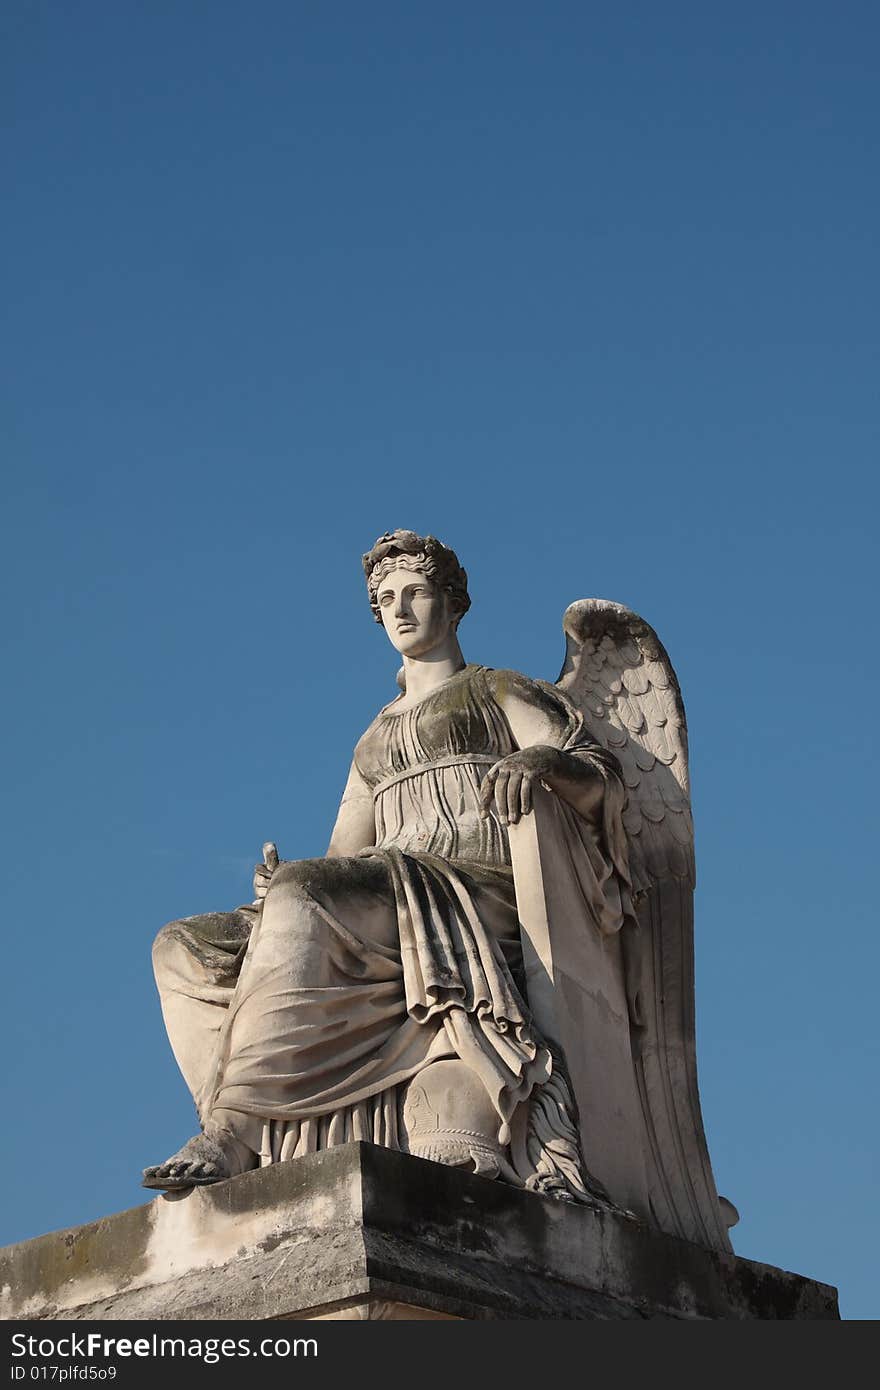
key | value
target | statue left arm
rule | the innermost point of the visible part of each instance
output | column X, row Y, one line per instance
column 540, row 724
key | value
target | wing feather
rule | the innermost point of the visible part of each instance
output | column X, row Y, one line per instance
column 617, row 671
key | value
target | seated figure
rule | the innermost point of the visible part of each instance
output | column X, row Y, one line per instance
column 380, row 993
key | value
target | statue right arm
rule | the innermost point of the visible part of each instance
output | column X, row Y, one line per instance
column 355, row 827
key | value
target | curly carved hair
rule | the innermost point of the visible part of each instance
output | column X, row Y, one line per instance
column 406, row 550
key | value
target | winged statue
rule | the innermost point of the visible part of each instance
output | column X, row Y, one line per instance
column 492, row 965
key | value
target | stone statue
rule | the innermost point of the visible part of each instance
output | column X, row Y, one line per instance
column 492, row 966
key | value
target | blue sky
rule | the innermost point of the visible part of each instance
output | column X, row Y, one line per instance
column 590, row 292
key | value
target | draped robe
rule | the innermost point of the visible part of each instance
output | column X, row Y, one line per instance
column 307, row 1016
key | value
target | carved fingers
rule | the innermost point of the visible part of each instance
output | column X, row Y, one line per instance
column 516, row 782
column 263, row 872
column 506, row 789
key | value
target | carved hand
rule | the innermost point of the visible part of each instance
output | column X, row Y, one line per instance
column 509, row 783
column 263, row 872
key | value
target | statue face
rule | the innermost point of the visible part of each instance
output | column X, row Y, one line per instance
column 416, row 613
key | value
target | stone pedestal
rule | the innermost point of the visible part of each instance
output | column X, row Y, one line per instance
column 360, row 1232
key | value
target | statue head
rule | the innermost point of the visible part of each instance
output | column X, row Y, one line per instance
column 404, row 550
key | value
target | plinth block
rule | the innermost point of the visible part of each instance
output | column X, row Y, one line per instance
column 362, row 1232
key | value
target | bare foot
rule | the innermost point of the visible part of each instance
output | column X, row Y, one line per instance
column 209, row 1157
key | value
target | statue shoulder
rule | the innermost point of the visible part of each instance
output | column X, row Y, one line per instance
column 517, row 694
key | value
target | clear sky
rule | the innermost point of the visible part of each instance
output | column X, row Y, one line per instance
column 589, row 291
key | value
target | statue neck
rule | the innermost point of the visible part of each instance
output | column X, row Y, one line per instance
column 425, row 673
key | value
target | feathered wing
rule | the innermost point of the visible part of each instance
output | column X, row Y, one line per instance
column 618, row 673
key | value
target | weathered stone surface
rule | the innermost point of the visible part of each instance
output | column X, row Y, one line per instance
column 362, row 1232
column 544, row 1035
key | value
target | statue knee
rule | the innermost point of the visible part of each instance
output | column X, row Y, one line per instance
column 295, row 878
column 163, row 947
